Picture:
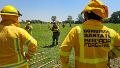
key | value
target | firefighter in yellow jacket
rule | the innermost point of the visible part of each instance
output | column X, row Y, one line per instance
column 13, row 39
column 92, row 41
column 29, row 28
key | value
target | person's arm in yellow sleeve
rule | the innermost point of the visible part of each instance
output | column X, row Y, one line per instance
column 117, row 40
column 115, row 52
column 66, row 47
column 28, row 41
column 31, row 27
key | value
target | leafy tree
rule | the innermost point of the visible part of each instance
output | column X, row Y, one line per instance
column 115, row 17
column 106, row 20
column 22, row 22
column 69, row 20
column 80, row 18
column 33, row 21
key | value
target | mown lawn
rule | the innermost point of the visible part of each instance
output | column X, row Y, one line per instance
column 44, row 37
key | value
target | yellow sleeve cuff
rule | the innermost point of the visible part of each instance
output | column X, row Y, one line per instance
column 62, row 53
column 66, row 66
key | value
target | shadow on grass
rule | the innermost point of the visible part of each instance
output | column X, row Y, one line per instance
column 49, row 46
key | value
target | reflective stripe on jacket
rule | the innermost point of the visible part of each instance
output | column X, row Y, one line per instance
column 12, row 42
column 91, row 43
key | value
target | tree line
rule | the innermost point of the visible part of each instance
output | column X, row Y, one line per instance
column 114, row 18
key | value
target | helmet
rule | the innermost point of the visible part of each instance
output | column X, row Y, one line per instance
column 97, row 7
column 10, row 10
column 28, row 23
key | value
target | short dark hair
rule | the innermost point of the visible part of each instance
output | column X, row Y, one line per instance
column 92, row 15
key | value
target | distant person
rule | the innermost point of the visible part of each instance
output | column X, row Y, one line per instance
column 29, row 28
column 70, row 24
column 63, row 25
column 92, row 41
column 13, row 39
column 56, row 33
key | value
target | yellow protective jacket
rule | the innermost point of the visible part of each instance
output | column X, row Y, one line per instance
column 12, row 42
column 29, row 28
column 91, row 42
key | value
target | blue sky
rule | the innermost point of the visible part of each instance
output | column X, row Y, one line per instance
column 44, row 9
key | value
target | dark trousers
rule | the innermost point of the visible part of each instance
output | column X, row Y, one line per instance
column 55, row 38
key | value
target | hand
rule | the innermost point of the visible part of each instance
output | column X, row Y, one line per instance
column 27, row 56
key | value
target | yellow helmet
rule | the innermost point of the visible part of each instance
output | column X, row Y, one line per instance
column 10, row 10
column 97, row 7
column 28, row 23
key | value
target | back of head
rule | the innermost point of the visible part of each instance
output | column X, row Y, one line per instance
column 95, row 10
column 9, row 15
column 92, row 15
column 10, row 10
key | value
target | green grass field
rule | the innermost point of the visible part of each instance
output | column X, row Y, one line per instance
column 44, row 37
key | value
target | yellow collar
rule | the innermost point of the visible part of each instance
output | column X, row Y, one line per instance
column 92, row 22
